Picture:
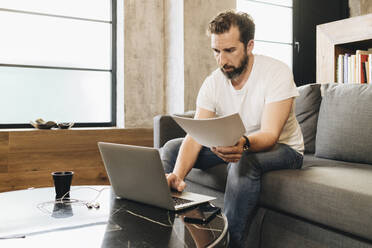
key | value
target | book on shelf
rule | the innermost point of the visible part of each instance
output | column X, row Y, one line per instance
column 362, row 56
column 363, row 73
column 340, row 69
column 366, row 73
column 354, row 68
column 351, row 69
column 346, row 67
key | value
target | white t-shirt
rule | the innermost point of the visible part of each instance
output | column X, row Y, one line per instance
column 270, row 81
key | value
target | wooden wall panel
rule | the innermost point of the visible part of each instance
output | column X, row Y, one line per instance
column 37, row 179
column 31, row 156
column 4, row 141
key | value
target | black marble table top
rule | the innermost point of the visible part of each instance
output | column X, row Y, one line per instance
column 32, row 218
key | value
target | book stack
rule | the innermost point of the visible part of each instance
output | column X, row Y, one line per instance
column 355, row 68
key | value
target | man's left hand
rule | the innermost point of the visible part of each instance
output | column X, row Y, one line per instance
column 230, row 153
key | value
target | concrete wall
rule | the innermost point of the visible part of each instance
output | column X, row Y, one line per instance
column 143, row 61
column 199, row 60
column 360, row 7
column 167, row 55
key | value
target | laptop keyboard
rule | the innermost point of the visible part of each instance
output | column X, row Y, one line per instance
column 179, row 201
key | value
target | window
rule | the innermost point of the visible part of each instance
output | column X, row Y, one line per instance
column 58, row 62
column 273, row 19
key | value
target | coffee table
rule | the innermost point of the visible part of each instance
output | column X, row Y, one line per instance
column 31, row 218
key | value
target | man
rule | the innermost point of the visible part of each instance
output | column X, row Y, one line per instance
column 262, row 91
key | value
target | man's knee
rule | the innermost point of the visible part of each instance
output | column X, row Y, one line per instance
column 171, row 147
column 169, row 153
column 248, row 166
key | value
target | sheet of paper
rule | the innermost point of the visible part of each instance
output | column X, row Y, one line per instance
column 220, row 131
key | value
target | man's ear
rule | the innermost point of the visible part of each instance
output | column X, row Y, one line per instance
column 250, row 47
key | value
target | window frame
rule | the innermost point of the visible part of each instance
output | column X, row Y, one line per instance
column 113, row 72
column 278, row 42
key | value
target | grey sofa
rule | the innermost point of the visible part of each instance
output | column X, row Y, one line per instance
column 327, row 203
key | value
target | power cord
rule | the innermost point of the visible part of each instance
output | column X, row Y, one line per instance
column 63, row 200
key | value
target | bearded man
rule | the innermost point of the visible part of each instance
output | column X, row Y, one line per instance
column 261, row 89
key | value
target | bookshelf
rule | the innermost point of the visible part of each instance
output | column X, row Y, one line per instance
column 340, row 37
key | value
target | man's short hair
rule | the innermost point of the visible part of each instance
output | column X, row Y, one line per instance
column 223, row 22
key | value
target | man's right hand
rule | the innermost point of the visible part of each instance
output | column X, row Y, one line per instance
column 175, row 182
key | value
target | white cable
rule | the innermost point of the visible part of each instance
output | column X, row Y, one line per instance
column 62, row 200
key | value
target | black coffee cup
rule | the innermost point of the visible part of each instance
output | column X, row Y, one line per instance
column 62, row 182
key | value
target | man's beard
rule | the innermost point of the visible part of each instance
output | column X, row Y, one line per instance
column 236, row 71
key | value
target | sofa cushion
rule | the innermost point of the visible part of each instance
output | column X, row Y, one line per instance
column 345, row 123
column 165, row 128
column 307, row 110
column 214, row 177
column 333, row 193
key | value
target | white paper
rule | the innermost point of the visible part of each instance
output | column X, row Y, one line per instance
column 220, row 131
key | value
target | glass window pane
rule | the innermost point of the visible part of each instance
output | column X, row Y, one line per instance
column 282, row 52
column 288, row 3
column 273, row 23
column 91, row 9
column 40, row 40
column 57, row 95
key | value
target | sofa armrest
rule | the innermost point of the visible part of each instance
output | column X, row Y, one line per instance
column 165, row 128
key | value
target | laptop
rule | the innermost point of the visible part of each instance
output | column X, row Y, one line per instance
column 136, row 173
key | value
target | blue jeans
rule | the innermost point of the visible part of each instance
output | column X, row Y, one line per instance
column 243, row 180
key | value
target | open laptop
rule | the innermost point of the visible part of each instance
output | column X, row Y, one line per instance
column 136, row 173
